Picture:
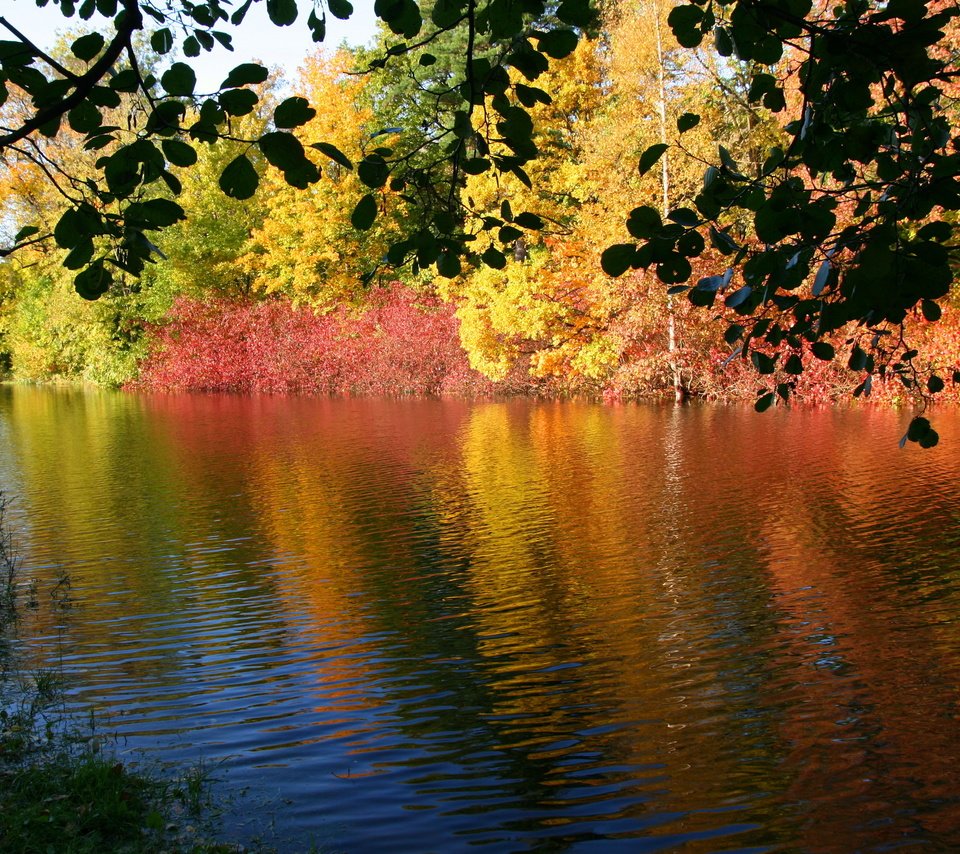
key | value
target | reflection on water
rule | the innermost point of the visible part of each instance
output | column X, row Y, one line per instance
column 430, row 625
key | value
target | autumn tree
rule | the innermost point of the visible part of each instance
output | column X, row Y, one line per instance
column 319, row 245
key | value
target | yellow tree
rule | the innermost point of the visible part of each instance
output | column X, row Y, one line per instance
column 541, row 302
column 654, row 87
column 307, row 247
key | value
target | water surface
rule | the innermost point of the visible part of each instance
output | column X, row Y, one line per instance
column 440, row 626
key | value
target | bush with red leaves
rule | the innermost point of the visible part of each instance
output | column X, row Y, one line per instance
column 402, row 343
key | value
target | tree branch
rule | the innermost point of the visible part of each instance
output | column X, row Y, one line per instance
column 131, row 22
column 56, row 66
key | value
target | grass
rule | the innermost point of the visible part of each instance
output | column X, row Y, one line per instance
column 60, row 791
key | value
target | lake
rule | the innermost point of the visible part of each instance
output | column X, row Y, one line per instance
column 432, row 625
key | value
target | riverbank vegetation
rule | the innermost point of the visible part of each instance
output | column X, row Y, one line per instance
column 293, row 289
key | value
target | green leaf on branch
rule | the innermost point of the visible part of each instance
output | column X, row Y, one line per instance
column 25, row 232
column 341, row 9
column 178, row 153
column 528, row 220
column 334, row 153
column 494, row 258
column 87, row 47
column 94, row 281
column 685, row 21
column 823, row 351
column 373, row 171
column 364, row 213
column 617, row 259
column 247, row 73
column 293, row 113
column 931, row 310
column 162, row 41
column 448, row 265
column 446, row 13
column 160, row 213
column 649, row 157
column 238, row 102
column 282, row 12
column 239, row 180
column 644, row 222
column 180, row 80
column 765, row 401
column 687, row 121
column 557, row 43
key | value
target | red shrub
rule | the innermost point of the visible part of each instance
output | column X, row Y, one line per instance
column 402, row 343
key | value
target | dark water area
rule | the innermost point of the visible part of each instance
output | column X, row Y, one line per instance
column 410, row 626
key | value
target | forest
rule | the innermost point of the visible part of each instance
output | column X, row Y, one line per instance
column 506, row 272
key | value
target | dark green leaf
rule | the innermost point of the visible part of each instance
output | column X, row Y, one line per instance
column 723, row 42
column 685, row 217
column 765, row 401
column 24, row 233
column 644, row 222
column 446, row 13
column 293, row 113
column 793, row 365
column 557, row 43
column 373, row 171
column 238, row 102
column 448, row 265
column 85, row 118
column 651, row 156
column 763, row 363
column 282, row 150
column 94, row 281
column 935, row 385
column 282, row 12
column 919, row 427
column 823, row 351
column 87, row 47
column 494, row 258
column 80, row 255
column 687, row 121
column 577, row 13
column 239, row 180
column 162, row 41
column 179, row 80
column 341, row 9
column 317, row 26
column 178, row 153
column 617, row 259
column 931, row 310
column 673, row 269
column 364, row 213
column 125, row 80
column 245, row 74
column 858, row 359
column 528, row 220
column 740, row 295
column 334, row 153
column 685, row 21
column 161, row 212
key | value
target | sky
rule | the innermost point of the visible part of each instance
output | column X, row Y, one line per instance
column 257, row 38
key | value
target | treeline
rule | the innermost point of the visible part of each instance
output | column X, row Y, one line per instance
column 292, row 290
